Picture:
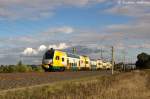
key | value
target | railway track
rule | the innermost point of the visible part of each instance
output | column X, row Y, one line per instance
column 20, row 80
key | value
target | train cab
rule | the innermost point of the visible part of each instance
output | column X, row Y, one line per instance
column 54, row 60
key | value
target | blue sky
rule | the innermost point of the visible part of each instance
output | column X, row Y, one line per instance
column 26, row 26
column 86, row 17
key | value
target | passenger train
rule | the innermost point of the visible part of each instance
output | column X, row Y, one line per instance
column 54, row 60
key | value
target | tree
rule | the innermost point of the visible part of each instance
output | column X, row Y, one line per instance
column 143, row 57
column 19, row 63
column 143, row 61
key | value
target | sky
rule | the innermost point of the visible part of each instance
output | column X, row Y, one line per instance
column 28, row 28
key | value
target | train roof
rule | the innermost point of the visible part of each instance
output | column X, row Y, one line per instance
column 68, row 54
column 93, row 59
column 73, row 55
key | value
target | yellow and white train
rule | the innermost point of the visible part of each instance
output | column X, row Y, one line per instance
column 59, row 60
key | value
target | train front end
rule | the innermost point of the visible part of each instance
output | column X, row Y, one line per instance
column 47, row 61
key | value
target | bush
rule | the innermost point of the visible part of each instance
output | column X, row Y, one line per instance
column 11, row 69
column 19, row 68
column 37, row 69
column 23, row 68
column 3, row 69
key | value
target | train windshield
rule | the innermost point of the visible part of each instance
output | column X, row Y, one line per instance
column 49, row 54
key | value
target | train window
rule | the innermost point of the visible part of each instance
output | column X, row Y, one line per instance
column 57, row 57
column 86, row 62
column 67, row 61
column 49, row 55
column 63, row 59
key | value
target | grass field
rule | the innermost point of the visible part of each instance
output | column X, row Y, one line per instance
column 10, row 81
column 131, row 85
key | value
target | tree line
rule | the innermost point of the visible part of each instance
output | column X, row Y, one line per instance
column 19, row 67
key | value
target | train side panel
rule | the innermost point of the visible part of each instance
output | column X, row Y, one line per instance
column 87, row 62
column 99, row 64
column 93, row 64
column 109, row 65
column 59, row 60
column 82, row 63
column 73, row 61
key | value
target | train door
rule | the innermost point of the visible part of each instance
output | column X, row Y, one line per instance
column 74, row 65
column 64, row 62
column 79, row 64
column 68, row 64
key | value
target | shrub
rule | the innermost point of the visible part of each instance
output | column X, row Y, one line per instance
column 37, row 69
column 11, row 68
column 1, row 68
column 20, row 68
column 7, row 69
column 23, row 68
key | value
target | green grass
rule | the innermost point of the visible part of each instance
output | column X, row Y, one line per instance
column 132, row 85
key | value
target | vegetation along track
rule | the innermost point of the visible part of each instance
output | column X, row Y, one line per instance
column 20, row 80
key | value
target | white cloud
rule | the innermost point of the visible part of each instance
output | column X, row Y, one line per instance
column 63, row 29
column 29, row 51
column 134, row 30
column 60, row 46
column 25, row 9
column 138, row 27
column 52, row 46
column 42, row 48
column 145, row 46
column 120, row 46
column 133, row 10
